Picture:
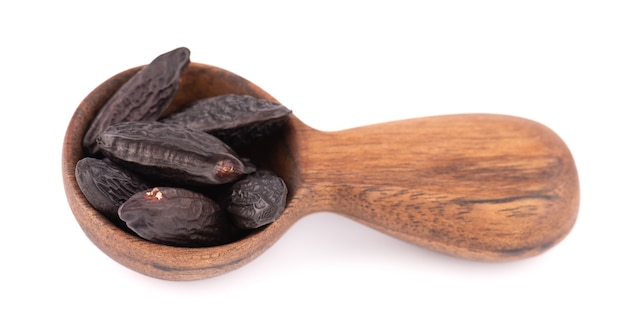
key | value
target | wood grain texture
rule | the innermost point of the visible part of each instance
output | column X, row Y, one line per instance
column 476, row 186
column 486, row 187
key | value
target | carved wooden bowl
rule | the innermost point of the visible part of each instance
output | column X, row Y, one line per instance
column 476, row 186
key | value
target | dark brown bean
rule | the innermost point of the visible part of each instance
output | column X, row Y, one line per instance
column 236, row 119
column 187, row 154
column 173, row 153
column 144, row 97
column 107, row 185
column 176, row 217
column 257, row 199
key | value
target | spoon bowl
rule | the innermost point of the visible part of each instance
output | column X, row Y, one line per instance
column 476, row 186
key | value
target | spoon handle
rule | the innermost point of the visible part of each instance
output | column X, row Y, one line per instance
column 477, row 186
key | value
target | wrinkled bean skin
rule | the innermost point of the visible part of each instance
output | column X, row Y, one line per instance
column 173, row 153
column 107, row 185
column 176, row 217
column 142, row 98
column 257, row 199
column 207, row 194
column 236, row 119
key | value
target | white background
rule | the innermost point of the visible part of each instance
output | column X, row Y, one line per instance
column 336, row 65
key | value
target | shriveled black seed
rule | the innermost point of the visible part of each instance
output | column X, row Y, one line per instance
column 257, row 199
column 175, row 157
column 176, row 217
column 106, row 185
column 173, row 153
column 236, row 119
column 142, row 98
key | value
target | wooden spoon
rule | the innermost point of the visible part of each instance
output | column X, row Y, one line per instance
column 475, row 186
